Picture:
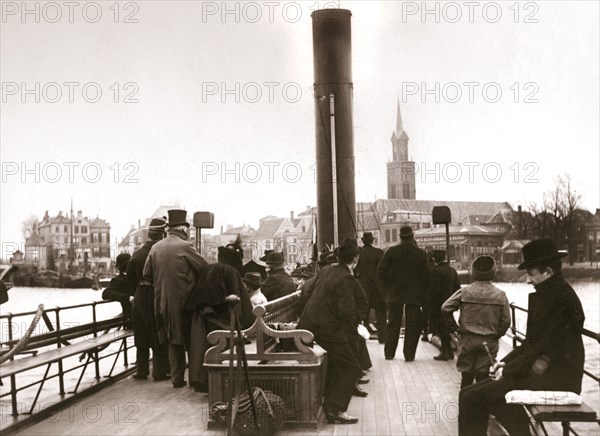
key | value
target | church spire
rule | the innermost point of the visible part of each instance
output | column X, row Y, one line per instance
column 399, row 128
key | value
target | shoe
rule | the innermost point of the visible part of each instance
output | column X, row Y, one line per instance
column 139, row 377
column 162, row 378
column 358, row 392
column 202, row 389
column 389, row 357
column 180, row 384
column 341, row 418
column 409, row 359
column 363, row 381
column 443, row 357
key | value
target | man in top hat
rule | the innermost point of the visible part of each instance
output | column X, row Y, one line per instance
column 278, row 283
column 550, row 358
column 146, row 333
column 484, row 318
column 329, row 314
column 366, row 273
column 444, row 282
column 173, row 266
column 119, row 290
column 404, row 274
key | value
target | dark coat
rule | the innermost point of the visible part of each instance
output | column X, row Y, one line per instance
column 173, row 266
column 118, row 290
column 444, row 283
column 404, row 274
column 278, row 284
column 552, row 355
column 332, row 310
column 366, row 273
column 146, row 333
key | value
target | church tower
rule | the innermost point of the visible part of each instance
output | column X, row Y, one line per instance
column 400, row 171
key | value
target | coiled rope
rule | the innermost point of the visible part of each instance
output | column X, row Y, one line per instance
column 25, row 338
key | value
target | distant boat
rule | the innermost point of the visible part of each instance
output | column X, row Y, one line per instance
column 78, row 282
column 46, row 279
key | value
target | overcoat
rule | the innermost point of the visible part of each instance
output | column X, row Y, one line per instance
column 366, row 273
column 278, row 284
column 404, row 274
column 146, row 333
column 552, row 355
column 173, row 266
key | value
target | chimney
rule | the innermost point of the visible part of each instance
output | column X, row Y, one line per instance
column 221, row 229
column 291, row 214
column 79, row 215
column 139, row 224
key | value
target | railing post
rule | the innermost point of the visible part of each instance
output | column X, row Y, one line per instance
column 61, row 374
column 514, row 325
column 13, row 378
column 96, row 362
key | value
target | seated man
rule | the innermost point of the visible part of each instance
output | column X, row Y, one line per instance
column 119, row 290
column 551, row 357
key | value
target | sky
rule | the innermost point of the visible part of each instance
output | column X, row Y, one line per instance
column 124, row 106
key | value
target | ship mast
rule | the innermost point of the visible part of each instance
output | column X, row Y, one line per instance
column 71, row 249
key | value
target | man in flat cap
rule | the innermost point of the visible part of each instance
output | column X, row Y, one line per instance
column 329, row 314
column 173, row 267
column 550, row 358
column 146, row 334
column 405, row 275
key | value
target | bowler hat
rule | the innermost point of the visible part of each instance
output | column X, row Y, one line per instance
column 367, row 237
column 263, row 258
column 253, row 278
column 275, row 258
column 483, row 268
column 323, row 257
column 539, row 250
column 332, row 258
column 347, row 248
column 178, row 217
column 406, row 232
column 123, row 260
column 157, row 224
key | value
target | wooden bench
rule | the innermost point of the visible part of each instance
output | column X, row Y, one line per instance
column 297, row 376
column 91, row 338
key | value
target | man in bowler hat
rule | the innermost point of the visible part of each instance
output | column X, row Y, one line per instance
column 404, row 274
column 146, row 334
column 329, row 314
column 366, row 273
column 550, row 358
column 278, row 283
column 173, row 267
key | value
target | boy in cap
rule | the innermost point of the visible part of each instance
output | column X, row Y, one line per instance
column 484, row 318
column 253, row 282
column 550, row 358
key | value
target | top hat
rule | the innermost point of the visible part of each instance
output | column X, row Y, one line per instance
column 483, row 268
column 157, row 224
column 347, row 248
column 367, row 237
column 539, row 250
column 438, row 255
column 178, row 217
column 253, row 278
column 406, row 232
column 123, row 260
column 275, row 258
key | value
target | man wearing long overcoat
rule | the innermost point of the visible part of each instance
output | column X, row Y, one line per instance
column 550, row 359
column 145, row 332
column 173, row 266
column 404, row 274
column 329, row 314
column 366, row 273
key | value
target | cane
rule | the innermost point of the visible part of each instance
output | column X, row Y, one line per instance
column 233, row 300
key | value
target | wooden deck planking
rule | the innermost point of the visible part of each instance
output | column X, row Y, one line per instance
column 405, row 398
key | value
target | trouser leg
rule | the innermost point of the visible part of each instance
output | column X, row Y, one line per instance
column 177, row 361
column 160, row 361
column 446, row 346
column 381, row 316
column 414, row 326
column 142, row 361
column 466, row 379
column 393, row 329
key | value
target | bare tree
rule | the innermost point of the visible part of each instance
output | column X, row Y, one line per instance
column 30, row 226
column 569, row 201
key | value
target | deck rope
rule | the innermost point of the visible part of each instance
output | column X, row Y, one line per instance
column 25, row 338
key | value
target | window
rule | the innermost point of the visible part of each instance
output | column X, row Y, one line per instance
column 303, row 229
column 84, row 240
column 387, row 236
column 57, row 229
column 394, row 235
column 66, row 229
column 84, row 229
column 76, row 229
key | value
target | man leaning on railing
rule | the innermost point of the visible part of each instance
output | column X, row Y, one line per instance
column 551, row 358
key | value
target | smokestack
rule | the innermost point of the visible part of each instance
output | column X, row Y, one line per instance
column 333, row 76
column 291, row 214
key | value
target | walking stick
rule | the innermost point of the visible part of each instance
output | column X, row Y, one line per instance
column 233, row 300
